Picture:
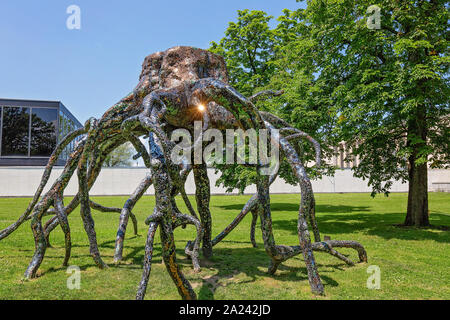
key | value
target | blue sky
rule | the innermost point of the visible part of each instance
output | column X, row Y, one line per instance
column 92, row 68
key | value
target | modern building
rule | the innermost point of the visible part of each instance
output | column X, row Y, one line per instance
column 31, row 129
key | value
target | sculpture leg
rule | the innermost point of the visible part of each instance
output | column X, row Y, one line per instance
column 39, row 238
column 279, row 253
column 263, row 209
column 313, row 221
column 202, row 196
column 169, row 256
column 163, row 188
column 56, row 192
column 192, row 247
column 162, row 195
column 253, row 227
column 85, row 210
column 328, row 246
column 147, row 261
column 96, row 152
column 305, row 244
column 307, row 200
column 135, row 224
column 64, row 222
column 126, row 211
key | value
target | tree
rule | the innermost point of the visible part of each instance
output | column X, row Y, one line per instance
column 248, row 48
column 380, row 86
column 260, row 58
column 120, row 157
column 388, row 87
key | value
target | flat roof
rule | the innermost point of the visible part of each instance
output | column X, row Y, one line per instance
column 29, row 100
column 40, row 103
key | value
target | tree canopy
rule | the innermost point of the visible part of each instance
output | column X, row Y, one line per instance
column 121, row 156
column 375, row 77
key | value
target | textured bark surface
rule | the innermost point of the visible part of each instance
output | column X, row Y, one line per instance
column 202, row 197
column 417, row 212
column 125, row 214
column 170, row 68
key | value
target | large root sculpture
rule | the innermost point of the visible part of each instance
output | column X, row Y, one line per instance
column 172, row 85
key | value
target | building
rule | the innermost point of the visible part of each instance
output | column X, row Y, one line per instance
column 31, row 129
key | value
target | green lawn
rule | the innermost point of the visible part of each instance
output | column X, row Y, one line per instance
column 414, row 262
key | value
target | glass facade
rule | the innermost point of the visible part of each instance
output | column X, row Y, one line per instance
column 15, row 131
column 32, row 131
column 66, row 126
column 44, row 122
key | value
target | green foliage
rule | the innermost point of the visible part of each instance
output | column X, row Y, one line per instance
column 120, row 157
column 383, row 91
column 248, row 49
column 260, row 58
column 389, row 86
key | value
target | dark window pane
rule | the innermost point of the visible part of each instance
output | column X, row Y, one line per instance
column 15, row 132
column 43, row 131
column 71, row 125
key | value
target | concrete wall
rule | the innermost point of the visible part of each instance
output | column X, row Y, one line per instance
column 23, row 182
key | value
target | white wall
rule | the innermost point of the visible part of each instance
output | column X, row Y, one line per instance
column 23, row 182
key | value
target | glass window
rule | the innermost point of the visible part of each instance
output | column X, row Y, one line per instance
column 71, row 125
column 67, row 125
column 61, row 132
column 64, row 129
column 43, row 131
column 15, row 133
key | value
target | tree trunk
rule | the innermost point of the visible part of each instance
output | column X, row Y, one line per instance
column 417, row 213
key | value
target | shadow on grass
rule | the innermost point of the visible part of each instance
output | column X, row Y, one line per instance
column 252, row 262
column 226, row 263
column 62, row 269
column 284, row 206
column 346, row 219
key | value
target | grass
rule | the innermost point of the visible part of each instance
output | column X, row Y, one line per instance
column 414, row 262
